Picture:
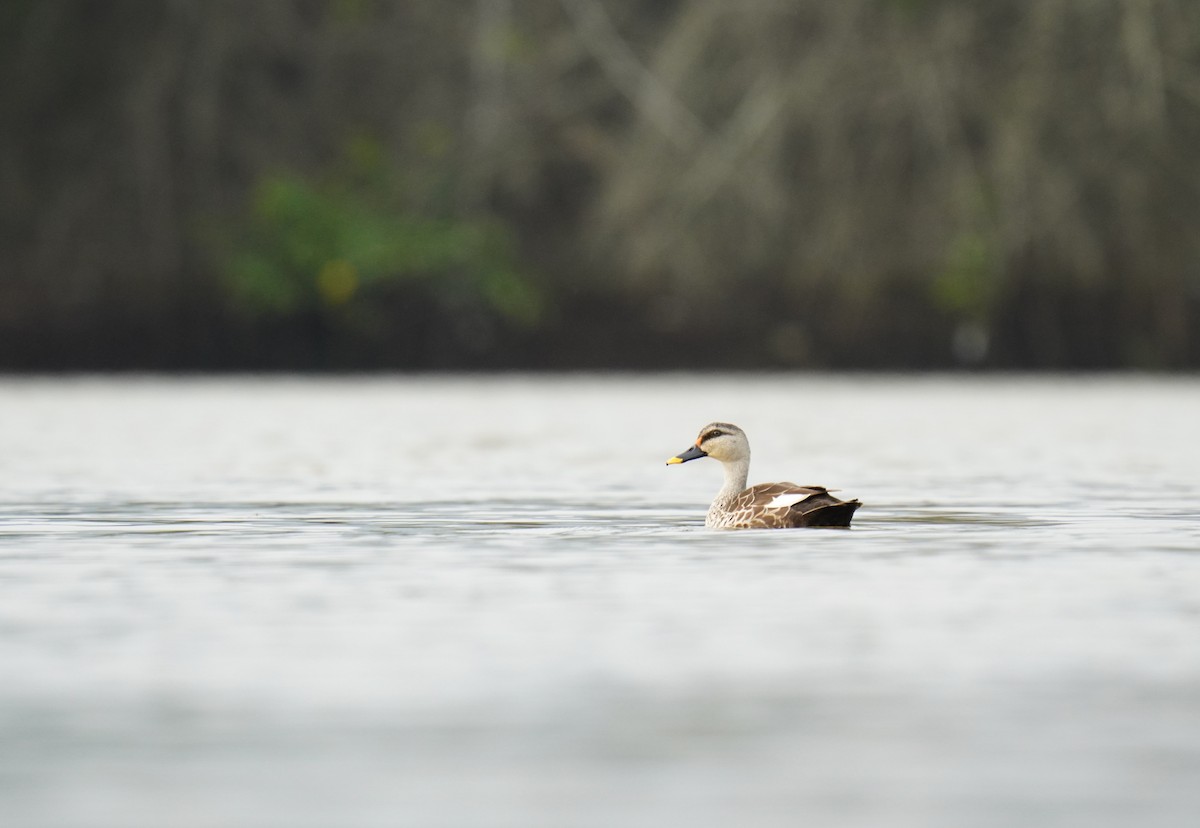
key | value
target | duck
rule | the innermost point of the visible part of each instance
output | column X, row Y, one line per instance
column 767, row 505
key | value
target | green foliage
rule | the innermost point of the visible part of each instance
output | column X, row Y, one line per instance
column 907, row 9
column 311, row 246
column 968, row 284
column 1026, row 167
column 350, row 11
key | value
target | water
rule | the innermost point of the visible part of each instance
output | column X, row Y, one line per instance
column 488, row 602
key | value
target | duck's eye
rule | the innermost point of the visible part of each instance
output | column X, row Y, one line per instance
column 713, row 434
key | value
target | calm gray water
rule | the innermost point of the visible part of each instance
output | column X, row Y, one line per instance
column 488, row 602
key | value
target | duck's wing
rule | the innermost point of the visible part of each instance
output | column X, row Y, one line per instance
column 783, row 505
column 831, row 512
column 780, row 495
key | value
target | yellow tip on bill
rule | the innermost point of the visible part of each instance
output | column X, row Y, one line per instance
column 673, row 461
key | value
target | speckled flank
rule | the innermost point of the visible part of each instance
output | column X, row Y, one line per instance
column 755, row 508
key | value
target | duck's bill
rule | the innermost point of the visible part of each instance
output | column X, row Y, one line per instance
column 692, row 453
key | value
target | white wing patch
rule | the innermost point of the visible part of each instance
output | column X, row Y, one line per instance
column 783, row 501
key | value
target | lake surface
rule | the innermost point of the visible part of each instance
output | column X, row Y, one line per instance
column 488, row 602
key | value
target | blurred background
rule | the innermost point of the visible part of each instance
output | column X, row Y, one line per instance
column 358, row 184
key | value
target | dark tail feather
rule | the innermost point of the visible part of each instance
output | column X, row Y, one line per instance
column 831, row 514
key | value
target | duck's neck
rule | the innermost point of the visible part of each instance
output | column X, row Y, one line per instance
column 736, row 473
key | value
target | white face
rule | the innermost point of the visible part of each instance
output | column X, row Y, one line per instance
column 724, row 442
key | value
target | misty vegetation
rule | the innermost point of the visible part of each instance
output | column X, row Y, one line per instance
column 599, row 183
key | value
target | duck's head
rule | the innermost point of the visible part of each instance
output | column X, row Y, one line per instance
column 720, row 441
